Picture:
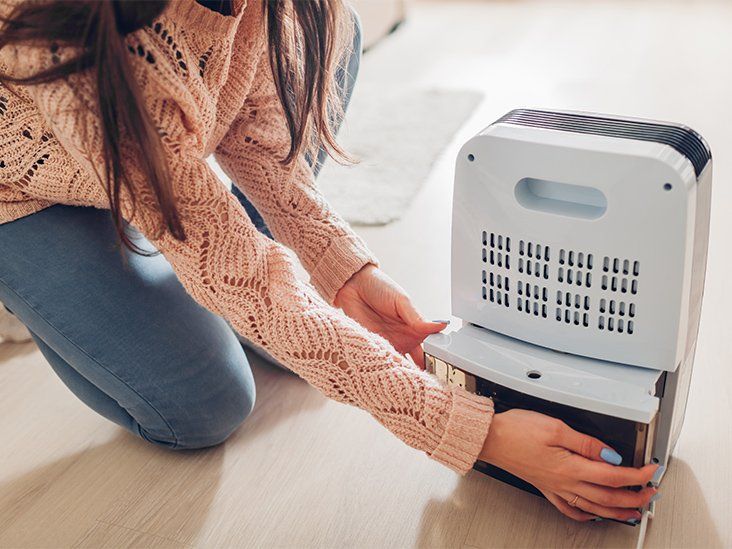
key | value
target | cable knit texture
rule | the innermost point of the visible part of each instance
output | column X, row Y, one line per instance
column 208, row 87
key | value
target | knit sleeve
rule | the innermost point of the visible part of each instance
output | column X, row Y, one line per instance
column 288, row 199
column 240, row 274
column 234, row 271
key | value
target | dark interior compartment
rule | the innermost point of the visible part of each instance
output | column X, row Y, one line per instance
column 620, row 434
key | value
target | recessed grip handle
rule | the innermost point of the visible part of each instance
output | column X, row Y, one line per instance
column 561, row 198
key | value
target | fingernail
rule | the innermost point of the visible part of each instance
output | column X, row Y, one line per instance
column 656, row 480
column 634, row 522
column 611, row 456
column 655, row 497
column 596, row 519
column 441, row 321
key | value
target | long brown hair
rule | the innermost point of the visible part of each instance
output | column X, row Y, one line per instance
column 305, row 38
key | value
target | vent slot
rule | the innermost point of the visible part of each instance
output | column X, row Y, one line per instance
column 495, row 254
column 575, row 268
column 620, row 275
column 496, row 250
column 573, row 308
column 532, row 299
column 616, row 316
column 534, row 259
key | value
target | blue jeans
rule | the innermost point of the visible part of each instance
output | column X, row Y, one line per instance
column 127, row 339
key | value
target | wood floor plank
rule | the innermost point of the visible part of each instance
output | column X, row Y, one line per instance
column 327, row 490
column 103, row 535
column 49, row 505
column 59, row 462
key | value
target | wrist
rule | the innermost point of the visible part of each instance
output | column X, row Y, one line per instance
column 355, row 279
column 490, row 452
column 337, row 263
column 363, row 272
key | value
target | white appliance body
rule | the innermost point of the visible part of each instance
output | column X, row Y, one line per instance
column 579, row 246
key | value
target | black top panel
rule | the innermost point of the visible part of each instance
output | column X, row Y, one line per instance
column 684, row 140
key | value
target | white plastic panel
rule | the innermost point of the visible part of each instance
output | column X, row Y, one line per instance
column 584, row 383
column 594, row 259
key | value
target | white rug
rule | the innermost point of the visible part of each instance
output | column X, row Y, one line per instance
column 397, row 136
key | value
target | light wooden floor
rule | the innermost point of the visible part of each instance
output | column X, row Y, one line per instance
column 307, row 472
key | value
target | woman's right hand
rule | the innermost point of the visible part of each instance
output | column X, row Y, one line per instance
column 566, row 466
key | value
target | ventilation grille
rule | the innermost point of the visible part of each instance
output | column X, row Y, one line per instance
column 616, row 316
column 496, row 250
column 534, row 259
column 496, row 258
column 620, row 275
column 532, row 299
column 538, row 272
column 575, row 268
column 496, row 288
column 573, row 309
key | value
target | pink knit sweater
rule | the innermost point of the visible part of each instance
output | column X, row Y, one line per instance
column 208, row 87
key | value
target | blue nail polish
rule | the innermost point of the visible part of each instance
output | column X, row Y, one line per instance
column 655, row 497
column 656, row 480
column 596, row 519
column 441, row 321
column 611, row 456
column 634, row 522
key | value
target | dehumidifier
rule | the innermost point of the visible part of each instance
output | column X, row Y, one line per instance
column 579, row 247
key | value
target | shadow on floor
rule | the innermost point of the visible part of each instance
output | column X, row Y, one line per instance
column 683, row 517
column 58, row 503
column 132, row 484
column 280, row 395
column 483, row 512
column 10, row 350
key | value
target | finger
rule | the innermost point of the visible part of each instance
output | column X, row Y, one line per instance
column 605, row 474
column 417, row 355
column 410, row 315
column 597, row 510
column 433, row 326
column 407, row 312
column 616, row 497
column 588, row 447
column 566, row 509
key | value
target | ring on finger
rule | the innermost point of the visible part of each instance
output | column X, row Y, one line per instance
column 573, row 502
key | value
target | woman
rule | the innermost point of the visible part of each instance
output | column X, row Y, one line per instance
column 112, row 107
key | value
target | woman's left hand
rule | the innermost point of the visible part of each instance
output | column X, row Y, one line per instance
column 381, row 306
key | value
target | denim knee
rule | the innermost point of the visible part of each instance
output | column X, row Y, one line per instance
column 204, row 422
column 222, row 418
